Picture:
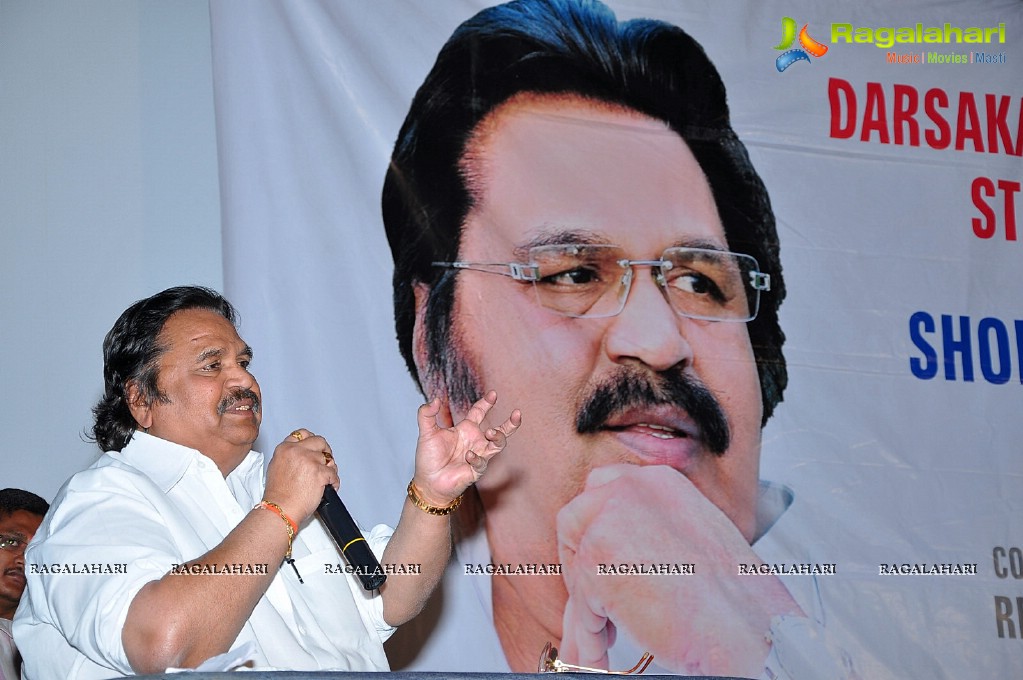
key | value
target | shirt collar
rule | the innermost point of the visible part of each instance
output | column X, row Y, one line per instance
column 773, row 500
column 166, row 462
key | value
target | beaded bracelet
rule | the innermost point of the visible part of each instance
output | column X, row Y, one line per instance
column 290, row 526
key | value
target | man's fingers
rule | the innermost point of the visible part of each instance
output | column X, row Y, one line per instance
column 298, row 435
column 575, row 517
column 477, row 462
column 444, row 417
column 305, row 439
column 499, row 434
column 591, row 640
column 426, row 416
column 482, row 407
column 496, row 438
column 302, row 465
column 569, row 626
column 584, row 635
column 606, row 474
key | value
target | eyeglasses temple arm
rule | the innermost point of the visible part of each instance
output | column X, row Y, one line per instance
column 517, row 270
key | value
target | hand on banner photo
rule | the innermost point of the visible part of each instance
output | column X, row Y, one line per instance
column 707, row 622
column 452, row 457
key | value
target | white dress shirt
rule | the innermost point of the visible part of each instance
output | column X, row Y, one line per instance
column 133, row 515
column 8, row 651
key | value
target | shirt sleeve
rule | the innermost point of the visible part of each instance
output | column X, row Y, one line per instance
column 373, row 607
column 100, row 546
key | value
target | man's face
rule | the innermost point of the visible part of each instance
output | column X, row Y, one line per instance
column 18, row 528
column 210, row 400
column 554, row 169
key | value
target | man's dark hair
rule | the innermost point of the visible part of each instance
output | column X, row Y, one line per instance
column 564, row 47
column 12, row 500
column 131, row 354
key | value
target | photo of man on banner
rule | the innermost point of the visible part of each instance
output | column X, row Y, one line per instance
column 573, row 186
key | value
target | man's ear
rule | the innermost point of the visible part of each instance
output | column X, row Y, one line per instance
column 141, row 410
column 431, row 383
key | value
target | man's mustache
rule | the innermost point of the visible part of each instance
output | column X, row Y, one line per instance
column 236, row 396
column 629, row 388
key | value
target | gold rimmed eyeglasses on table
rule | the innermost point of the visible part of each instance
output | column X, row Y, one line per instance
column 550, row 663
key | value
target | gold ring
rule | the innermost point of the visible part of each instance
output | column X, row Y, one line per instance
column 327, row 457
column 297, row 434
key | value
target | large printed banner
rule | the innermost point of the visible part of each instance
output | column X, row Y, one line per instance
column 591, row 263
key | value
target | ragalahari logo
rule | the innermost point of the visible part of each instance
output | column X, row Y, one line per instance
column 809, row 45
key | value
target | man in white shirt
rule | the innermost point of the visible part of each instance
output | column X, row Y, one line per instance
column 20, row 514
column 168, row 550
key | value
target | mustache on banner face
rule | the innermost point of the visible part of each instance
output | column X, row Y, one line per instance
column 236, row 396
column 629, row 388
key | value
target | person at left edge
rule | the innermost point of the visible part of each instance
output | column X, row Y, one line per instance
column 20, row 514
column 178, row 484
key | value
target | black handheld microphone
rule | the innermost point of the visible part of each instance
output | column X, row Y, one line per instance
column 353, row 545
